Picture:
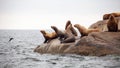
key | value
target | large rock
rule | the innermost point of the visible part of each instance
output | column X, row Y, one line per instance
column 97, row 44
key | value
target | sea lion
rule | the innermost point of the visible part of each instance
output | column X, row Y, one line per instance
column 60, row 34
column 112, row 24
column 66, row 36
column 106, row 16
column 70, row 37
column 67, row 24
column 84, row 31
column 72, row 29
column 48, row 36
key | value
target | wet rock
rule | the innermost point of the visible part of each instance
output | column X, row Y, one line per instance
column 96, row 44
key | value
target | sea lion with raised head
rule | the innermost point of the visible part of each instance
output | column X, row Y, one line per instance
column 84, row 31
column 48, row 36
column 72, row 29
column 112, row 24
column 70, row 37
column 60, row 34
column 66, row 36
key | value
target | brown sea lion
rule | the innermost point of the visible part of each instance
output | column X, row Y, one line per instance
column 106, row 16
column 67, row 24
column 70, row 37
column 72, row 29
column 66, row 36
column 84, row 31
column 112, row 24
column 48, row 36
column 61, row 35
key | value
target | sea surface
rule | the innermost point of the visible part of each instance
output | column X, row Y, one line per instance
column 18, row 53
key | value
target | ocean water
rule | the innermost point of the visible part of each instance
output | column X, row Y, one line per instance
column 18, row 53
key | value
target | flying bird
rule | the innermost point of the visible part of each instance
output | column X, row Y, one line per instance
column 11, row 39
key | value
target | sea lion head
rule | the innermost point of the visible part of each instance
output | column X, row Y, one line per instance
column 67, row 24
column 43, row 31
column 112, row 19
column 106, row 16
column 68, row 29
column 77, row 25
column 54, row 27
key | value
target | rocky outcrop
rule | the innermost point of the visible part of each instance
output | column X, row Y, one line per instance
column 97, row 44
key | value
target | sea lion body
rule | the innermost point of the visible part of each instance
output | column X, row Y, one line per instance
column 61, row 35
column 70, row 37
column 84, row 31
column 72, row 29
column 112, row 24
column 65, row 36
column 48, row 36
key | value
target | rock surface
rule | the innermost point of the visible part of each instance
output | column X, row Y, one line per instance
column 95, row 44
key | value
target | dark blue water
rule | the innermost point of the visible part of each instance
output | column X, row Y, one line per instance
column 18, row 53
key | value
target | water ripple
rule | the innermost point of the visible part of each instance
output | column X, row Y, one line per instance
column 19, row 54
